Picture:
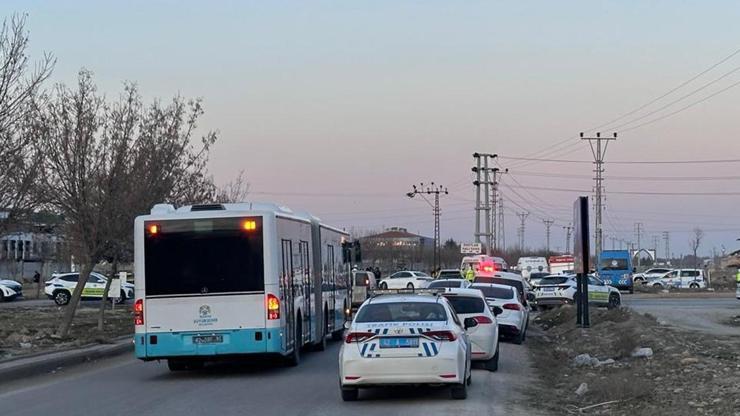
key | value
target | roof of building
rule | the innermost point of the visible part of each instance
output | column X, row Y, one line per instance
column 396, row 232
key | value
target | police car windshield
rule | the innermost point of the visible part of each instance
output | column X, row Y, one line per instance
column 401, row 312
column 614, row 264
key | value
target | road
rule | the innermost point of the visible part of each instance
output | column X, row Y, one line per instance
column 32, row 303
column 695, row 314
column 126, row 386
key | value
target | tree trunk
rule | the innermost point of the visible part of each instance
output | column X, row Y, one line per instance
column 71, row 308
column 104, row 300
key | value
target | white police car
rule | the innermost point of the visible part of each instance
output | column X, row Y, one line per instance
column 10, row 289
column 561, row 289
column 61, row 286
column 405, row 339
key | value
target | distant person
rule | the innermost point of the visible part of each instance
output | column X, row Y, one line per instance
column 737, row 278
column 36, row 277
column 376, row 271
column 469, row 273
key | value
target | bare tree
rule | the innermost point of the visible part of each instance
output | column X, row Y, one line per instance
column 695, row 243
column 233, row 191
column 19, row 88
column 105, row 164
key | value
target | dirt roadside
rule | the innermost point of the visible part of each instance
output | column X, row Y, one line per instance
column 29, row 330
column 594, row 371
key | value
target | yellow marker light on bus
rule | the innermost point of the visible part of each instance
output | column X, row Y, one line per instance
column 249, row 225
column 153, row 229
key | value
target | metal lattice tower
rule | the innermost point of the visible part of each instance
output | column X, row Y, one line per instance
column 599, row 151
column 522, row 221
column 436, row 190
column 483, row 177
column 548, row 224
column 501, row 236
column 568, row 233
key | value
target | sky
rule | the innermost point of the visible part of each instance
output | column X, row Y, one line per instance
column 339, row 107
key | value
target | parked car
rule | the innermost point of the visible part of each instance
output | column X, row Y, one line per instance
column 534, row 278
column 470, row 303
column 680, row 279
column 363, row 282
column 61, row 286
column 455, row 283
column 406, row 339
column 405, row 279
column 513, row 320
column 650, row 274
column 556, row 290
column 449, row 274
column 510, row 279
column 10, row 289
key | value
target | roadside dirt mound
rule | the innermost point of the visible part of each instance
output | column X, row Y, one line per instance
column 27, row 330
column 627, row 364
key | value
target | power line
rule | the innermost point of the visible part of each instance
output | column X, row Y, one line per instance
column 631, row 162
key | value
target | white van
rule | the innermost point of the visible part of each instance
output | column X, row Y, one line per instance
column 528, row 265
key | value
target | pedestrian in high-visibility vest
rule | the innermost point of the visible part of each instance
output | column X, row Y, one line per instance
column 737, row 277
column 469, row 274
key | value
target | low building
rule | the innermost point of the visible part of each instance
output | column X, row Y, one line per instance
column 397, row 237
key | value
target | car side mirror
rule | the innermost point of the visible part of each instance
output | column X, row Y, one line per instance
column 497, row 310
column 470, row 323
column 531, row 297
column 347, row 324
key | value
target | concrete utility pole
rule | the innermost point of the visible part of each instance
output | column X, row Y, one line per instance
column 655, row 247
column 522, row 219
column 638, row 232
column 483, row 159
column 435, row 190
column 548, row 224
column 568, row 233
column 599, row 153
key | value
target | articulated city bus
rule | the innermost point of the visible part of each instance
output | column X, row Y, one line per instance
column 235, row 279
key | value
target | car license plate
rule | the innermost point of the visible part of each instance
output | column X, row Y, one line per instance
column 208, row 339
column 548, row 289
column 399, row 342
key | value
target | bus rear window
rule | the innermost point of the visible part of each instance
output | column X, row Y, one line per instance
column 203, row 256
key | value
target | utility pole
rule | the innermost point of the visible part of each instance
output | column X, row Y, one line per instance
column 522, row 218
column 494, row 203
column 568, row 233
column 482, row 166
column 655, row 247
column 435, row 190
column 548, row 224
column 638, row 232
column 667, row 240
column 599, row 153
column 501, row 236
column 614, row 240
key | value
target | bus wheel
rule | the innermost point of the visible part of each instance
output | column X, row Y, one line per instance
column 295, row 357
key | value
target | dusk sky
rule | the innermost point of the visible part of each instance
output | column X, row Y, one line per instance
column 338, row 107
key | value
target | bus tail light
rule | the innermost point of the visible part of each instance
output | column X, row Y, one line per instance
column 273, row 307
column 139, row 312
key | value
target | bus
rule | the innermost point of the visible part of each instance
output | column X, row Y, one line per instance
column 229, row 280
column 615, row 268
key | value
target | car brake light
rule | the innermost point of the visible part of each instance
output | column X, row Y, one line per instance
column 483, row 319
column 358, row 337
column 139, row 312
column 513, row 306
column 440, row 335
column 273, row 307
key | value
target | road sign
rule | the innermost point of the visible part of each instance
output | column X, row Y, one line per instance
column 471, row 248
column 115, row 288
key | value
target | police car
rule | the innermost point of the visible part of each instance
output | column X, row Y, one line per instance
column 470, row 303
column 406, row 339
column 61, row 286
column 561, row 289
column 10, row 289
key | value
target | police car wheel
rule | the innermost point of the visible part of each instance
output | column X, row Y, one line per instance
column 350, row 395
column 459, row 392
column 121, row 298
column 694, row 286
column 2, row 296
column 614, row 301
column 383, row 285
column 61, row 298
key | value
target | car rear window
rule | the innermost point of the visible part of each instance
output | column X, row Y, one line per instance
column 449, row 274
column 518, row 285
column 466, row 304
column 401, row 312
column 445, row 283
column 554, row 280
column 495, row 292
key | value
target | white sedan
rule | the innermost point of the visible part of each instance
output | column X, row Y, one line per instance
column 513, row 320
column 559, row 290
column 61, row 286
column 10, row 289
column 406, row 280
column 470, row 303
column 405, row 340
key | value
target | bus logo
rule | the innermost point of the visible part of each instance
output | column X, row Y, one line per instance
column 205, row 318
column 205, row 311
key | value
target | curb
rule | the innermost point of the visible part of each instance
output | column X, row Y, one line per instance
column 23, row 367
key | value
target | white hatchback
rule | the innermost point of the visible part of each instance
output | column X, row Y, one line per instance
column 470, row 303
column 405, row 339
column 405, row 280
column 514, row 318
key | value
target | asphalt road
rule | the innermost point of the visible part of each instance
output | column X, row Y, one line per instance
column 694, row 314
column 126, row 386
column 31, row 303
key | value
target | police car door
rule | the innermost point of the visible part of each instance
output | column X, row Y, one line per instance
column 93, row 287
column 598, row 292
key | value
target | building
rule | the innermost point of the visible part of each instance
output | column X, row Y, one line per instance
column 32, row 246
column 396, row 237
